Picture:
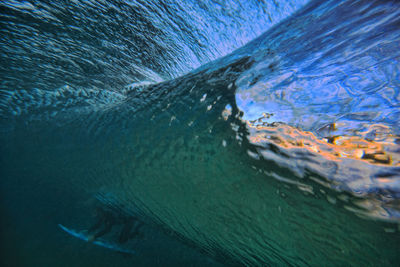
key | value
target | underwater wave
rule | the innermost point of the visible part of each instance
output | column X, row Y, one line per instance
column 286, row 141
column 109, row 44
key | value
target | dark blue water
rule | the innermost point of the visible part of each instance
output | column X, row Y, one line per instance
column 255, row 133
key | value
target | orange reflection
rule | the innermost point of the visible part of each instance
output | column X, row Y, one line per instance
column 333, row 147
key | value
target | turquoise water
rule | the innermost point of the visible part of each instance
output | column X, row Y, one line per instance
column 235, row 133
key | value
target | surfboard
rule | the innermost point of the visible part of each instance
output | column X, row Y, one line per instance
column 83, row 235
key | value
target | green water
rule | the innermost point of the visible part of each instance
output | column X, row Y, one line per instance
column 196, row 182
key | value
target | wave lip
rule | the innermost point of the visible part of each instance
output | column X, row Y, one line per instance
column 321, row 99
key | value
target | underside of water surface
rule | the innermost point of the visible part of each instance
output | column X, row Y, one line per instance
column 235, row 133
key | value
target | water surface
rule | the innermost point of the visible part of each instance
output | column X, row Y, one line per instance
column 238, row 133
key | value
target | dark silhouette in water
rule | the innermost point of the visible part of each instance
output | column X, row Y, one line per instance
column 106, row 219
column 130, row 229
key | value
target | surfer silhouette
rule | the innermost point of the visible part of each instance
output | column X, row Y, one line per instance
column 129, row 230
column 106, row 219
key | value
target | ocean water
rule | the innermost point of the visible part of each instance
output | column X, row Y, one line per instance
column 234, row 133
